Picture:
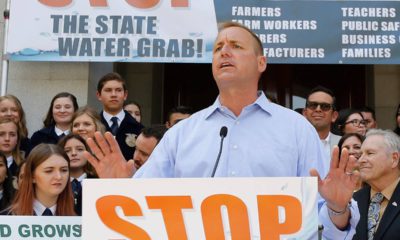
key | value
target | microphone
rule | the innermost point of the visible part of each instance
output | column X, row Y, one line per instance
column 222, row 133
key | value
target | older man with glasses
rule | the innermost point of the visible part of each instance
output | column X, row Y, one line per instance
column 321, row 112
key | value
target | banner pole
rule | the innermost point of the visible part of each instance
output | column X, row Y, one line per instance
column 4, row 69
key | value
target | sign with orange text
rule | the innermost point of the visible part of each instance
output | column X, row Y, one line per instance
column 206, row 208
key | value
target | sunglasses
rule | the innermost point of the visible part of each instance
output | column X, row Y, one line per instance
column 323, row 106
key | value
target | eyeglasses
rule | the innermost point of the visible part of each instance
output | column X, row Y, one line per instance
column 323, row 106
column 357, row 122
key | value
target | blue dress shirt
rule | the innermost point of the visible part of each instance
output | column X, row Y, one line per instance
column 265, row 140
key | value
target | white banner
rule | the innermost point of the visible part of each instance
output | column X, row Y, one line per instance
column 218, row 208
column 316, row 32
column 38, row 227
column 119, row 30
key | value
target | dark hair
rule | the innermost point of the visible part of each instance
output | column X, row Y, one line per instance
column 349, row 135
column 49, row 120
column 258, row 48
column 134, row 103
column 340, row 122
column 179, row 109
column 88, row 168
column 8, row 189
column 22, row 204
column 324, row 90
column 368, row 110
column 65, row 139
column 109, row 77
column 299, row 111
column 156, row 131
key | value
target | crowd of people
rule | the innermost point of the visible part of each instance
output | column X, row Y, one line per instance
column 377, row 153
column 345, row 127
column 54, row 153
column 42, row 175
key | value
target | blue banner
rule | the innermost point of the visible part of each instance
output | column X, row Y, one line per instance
column 315, row 32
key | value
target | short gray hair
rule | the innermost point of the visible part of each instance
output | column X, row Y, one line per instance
column 391, row 139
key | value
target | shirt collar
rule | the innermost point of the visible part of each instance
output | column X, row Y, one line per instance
column 80, row 178
column 59, row 131
column 120, row 116
column 39, row 208
column 10, row 160
column 262, row 102
column 388, row 191
column 327, row 139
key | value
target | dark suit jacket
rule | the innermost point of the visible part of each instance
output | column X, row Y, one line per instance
column 25, row 146
column 44, row 135
column 389, row 226
column 78, row 199
column 13, row 168
column 5, row 202
column 128, row 126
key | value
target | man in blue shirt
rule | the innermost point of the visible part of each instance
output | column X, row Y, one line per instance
column 263, row 139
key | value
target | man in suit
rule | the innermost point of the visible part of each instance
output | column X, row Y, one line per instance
column 379, row 202
column 111, row 92
column 320, row 111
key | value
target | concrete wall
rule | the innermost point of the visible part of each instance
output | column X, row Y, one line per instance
column 387, row 94
column 35, row 84
column 145, row 86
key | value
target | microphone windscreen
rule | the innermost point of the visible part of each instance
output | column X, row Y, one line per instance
column 223, row 132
